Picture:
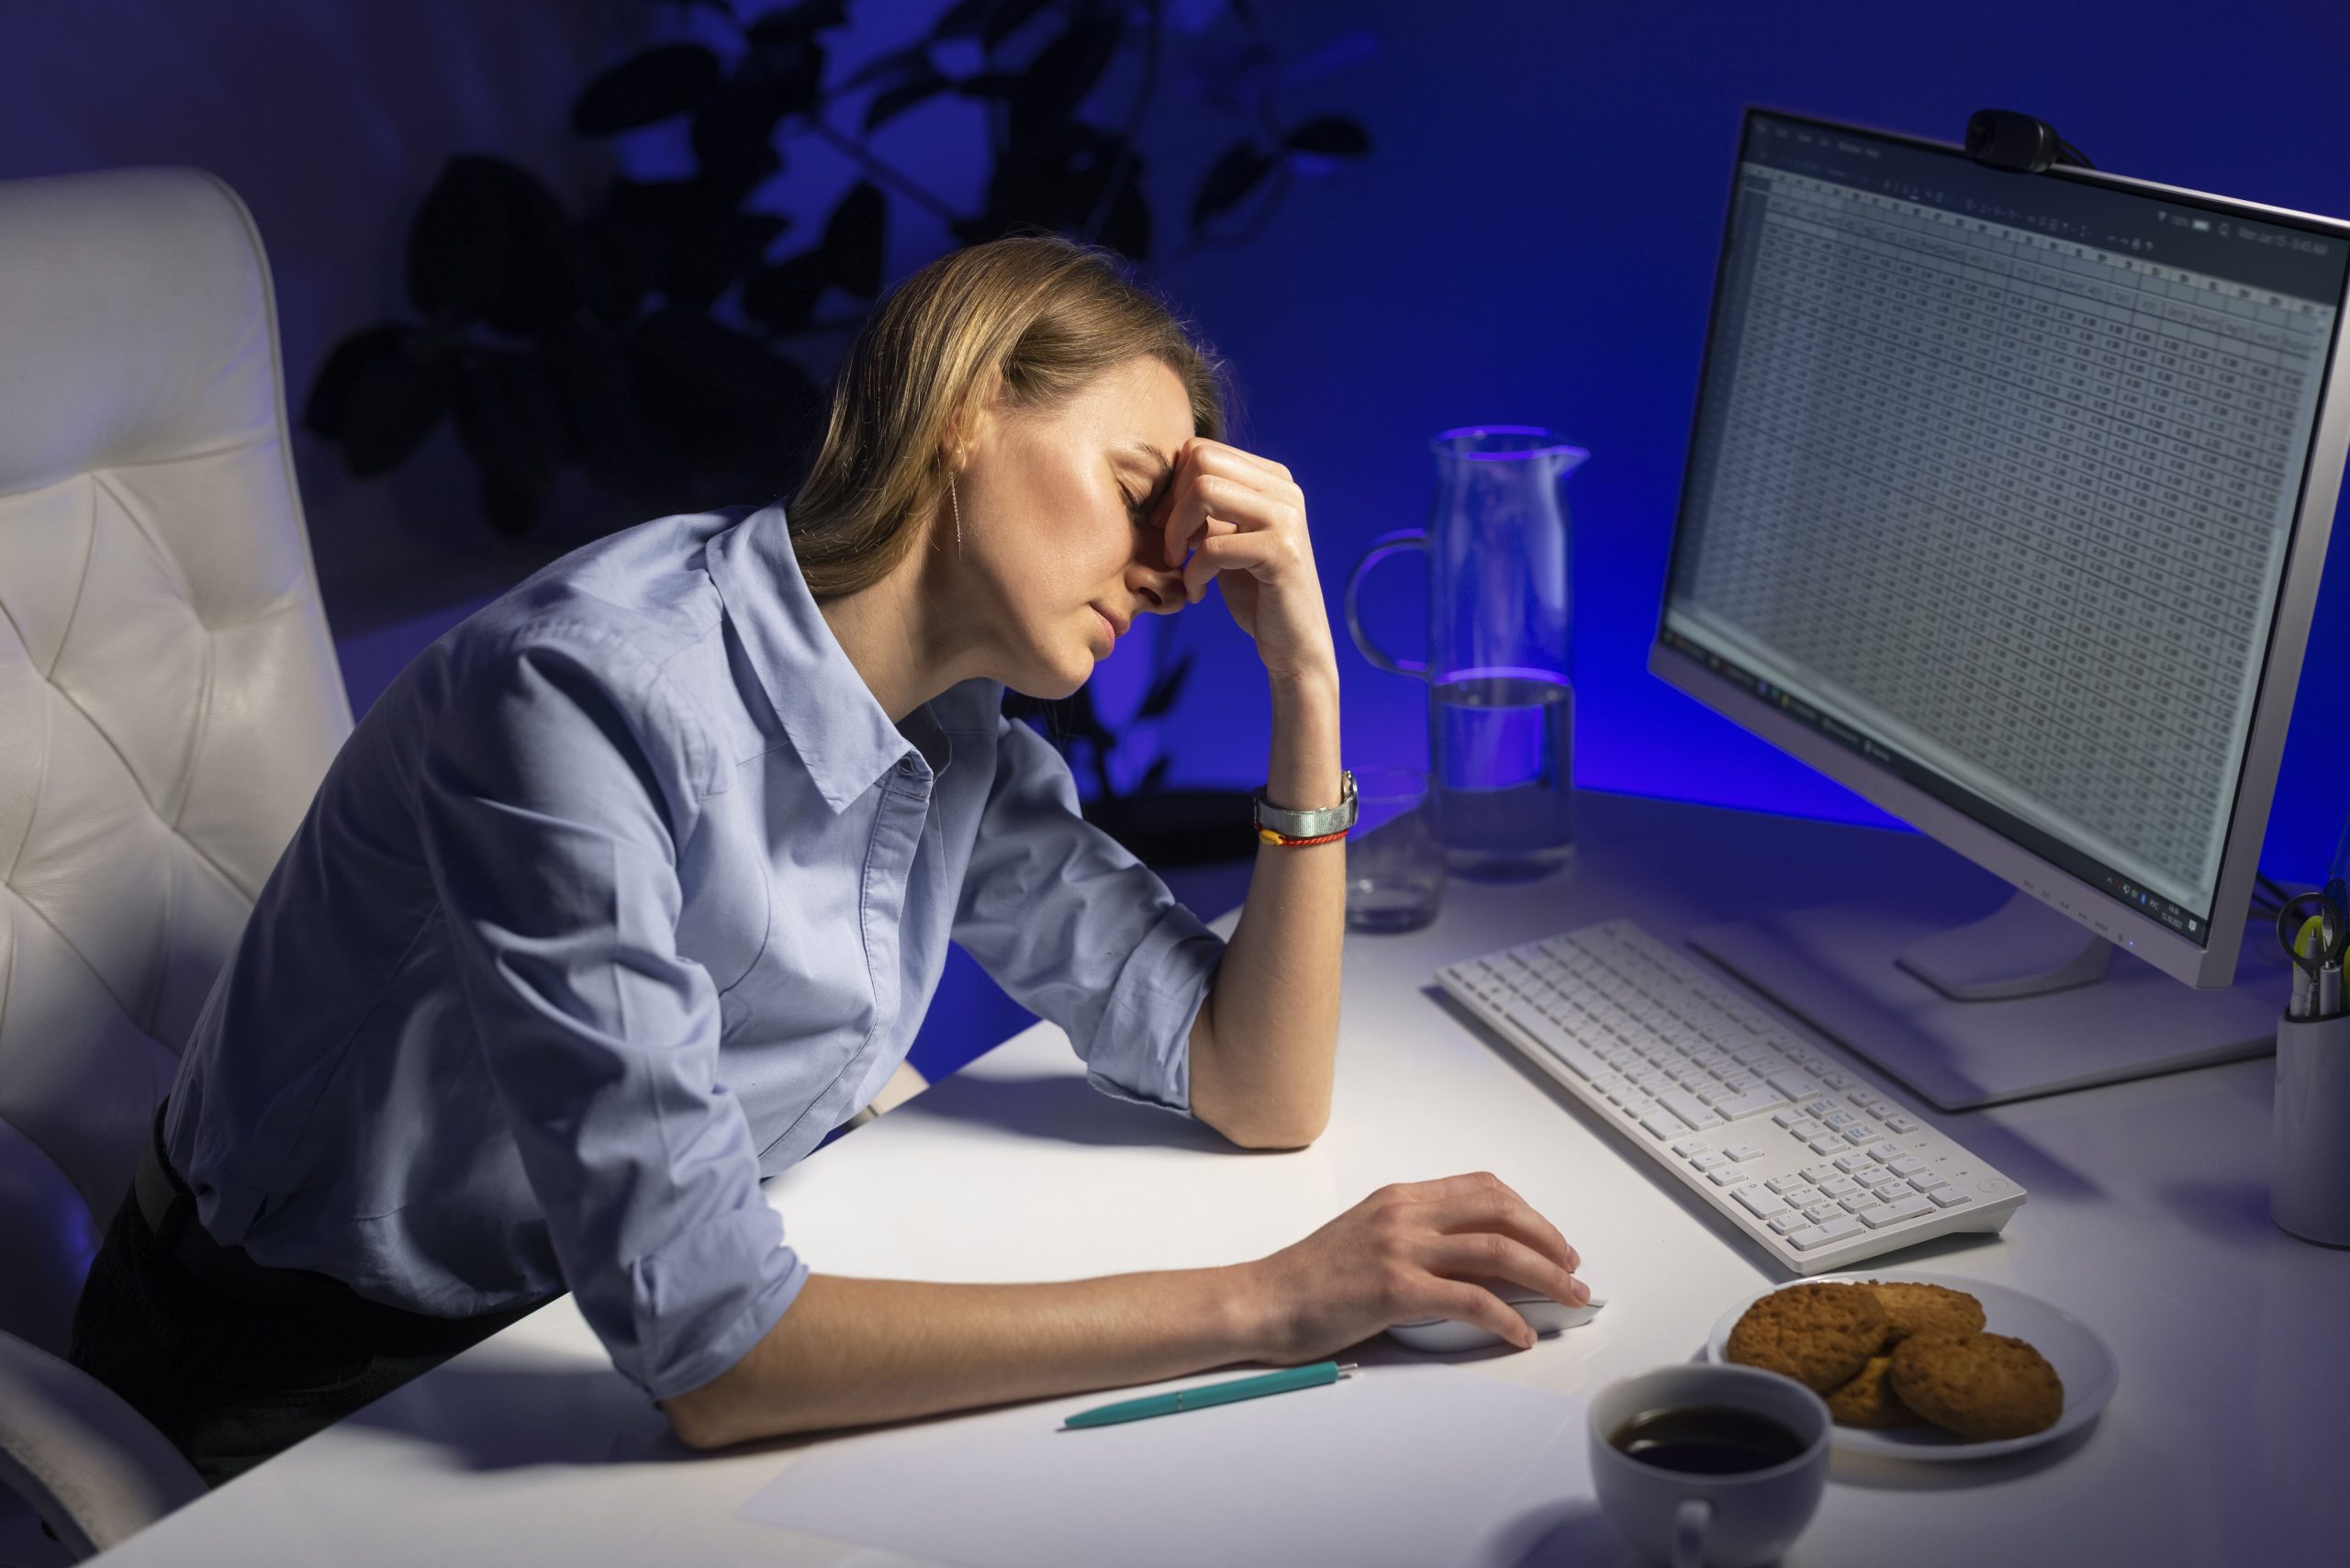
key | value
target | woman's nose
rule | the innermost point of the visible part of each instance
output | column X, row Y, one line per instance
column 1161, row 589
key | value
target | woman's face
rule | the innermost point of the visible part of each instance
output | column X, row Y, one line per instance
column 1060, row 549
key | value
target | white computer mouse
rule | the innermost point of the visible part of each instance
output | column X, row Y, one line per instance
column 1442, row 1336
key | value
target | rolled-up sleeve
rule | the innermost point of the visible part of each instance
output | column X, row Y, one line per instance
column 1080, row 932
column 554, row 796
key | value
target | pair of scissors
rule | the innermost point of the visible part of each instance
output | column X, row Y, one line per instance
column 2319, row 963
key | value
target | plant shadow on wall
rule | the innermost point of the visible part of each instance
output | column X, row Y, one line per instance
column 663, row 340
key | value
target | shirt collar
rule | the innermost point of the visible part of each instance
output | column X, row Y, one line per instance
column 843, row 734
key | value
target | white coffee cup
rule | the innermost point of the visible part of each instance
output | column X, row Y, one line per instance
column 1696, row 1520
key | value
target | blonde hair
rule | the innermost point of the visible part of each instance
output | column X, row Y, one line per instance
column 1037, row 317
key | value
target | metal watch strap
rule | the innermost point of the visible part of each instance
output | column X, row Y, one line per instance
column 1313, row 824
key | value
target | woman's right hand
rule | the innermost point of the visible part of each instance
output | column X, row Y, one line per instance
column 1410, row 1251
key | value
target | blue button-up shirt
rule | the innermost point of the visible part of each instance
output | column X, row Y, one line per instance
column 623, row 895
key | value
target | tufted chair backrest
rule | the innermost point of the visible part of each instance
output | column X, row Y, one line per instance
column 169, row 699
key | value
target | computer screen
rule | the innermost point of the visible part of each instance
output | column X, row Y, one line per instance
column 1993, row 486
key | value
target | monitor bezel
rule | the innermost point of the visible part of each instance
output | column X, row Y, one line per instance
column 2209, row 963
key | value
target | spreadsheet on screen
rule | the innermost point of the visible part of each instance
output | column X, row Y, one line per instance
column 2015, row 501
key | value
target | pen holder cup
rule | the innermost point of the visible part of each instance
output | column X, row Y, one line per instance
column 2310, row 1194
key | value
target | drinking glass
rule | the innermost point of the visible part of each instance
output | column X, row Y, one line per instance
column 1394, row 859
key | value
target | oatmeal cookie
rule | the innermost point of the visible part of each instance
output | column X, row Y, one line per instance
column 1867, row 1400
column 1820, row 1334
column 1915, row 1308
column 1982, row 1387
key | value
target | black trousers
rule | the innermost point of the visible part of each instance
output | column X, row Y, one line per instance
column 235, row 1363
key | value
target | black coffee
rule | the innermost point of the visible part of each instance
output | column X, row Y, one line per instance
column 1707, row 1439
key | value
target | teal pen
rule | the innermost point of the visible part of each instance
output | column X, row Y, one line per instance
column 1282, row 1382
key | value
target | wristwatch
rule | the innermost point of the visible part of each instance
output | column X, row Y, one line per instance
column 1275, row 825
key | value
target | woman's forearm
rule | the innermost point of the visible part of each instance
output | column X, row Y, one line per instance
column 861, row 1351
column 1263, row 1047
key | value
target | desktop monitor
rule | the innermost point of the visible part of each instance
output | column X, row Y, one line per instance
column 2005, row 507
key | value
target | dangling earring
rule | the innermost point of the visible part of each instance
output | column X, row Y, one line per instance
column 957, row 508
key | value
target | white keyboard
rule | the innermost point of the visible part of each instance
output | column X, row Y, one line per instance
column 1773, row 1128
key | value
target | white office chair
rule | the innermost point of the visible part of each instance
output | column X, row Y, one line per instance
column 169, row 702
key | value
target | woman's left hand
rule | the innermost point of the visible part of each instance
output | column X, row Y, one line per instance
column 1246, row 517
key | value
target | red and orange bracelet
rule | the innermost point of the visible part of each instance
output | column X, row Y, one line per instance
column 1266, row 835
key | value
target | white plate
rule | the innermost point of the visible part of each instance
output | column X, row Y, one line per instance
column 2084, row 1362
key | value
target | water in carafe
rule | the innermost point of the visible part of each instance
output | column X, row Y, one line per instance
column 1504, row 795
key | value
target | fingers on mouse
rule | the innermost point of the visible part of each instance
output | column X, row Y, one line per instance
column 1442, row 1336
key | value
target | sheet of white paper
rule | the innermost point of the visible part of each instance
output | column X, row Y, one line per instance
column 1408, row 1465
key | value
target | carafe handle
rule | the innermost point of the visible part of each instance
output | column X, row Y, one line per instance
column 1385, row 544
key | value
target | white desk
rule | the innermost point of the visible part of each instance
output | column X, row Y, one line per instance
column 2147, row 1218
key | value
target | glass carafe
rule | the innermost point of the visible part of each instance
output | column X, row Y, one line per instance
column 1501, row 710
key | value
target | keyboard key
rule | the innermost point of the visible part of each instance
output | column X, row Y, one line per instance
column 1858, row 1135
column 1885, row 1154
column 1818, row 1172
column 1578, row 1057
column 1901, row 1123
column 1819, row 1213
column 1559, row 1042
column 1794, row 1085
column 1887, row 1192
column 1658, row 1123
column 1712, row 1159
column 1742, row 1153
column 1788, row 1117
column 1790, row 1221
column 1825, row 1143
column 1821, row 1234
column 1806, row 1130
column 1783, row 1185
column 1906, row 1165
column 1898, row 1210
column 1927, row 1180
column 1835, row 1081
column 1758, row 1201
column 1688, row 1107
column 1804, row 1197
column 1727, row 1176
column 1949, row 1197
column 1861, row 1096
column 1689, row 1146
column 1847, row 1163
column 1748, row 1103
column 1838, row 1186
column 1859, row 1202
column 1840, row 1120
column 1819, row 1107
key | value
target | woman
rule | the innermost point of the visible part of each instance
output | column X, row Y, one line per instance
column 634, row 886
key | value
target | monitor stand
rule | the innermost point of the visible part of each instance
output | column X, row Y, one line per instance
column 2014, row 1006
